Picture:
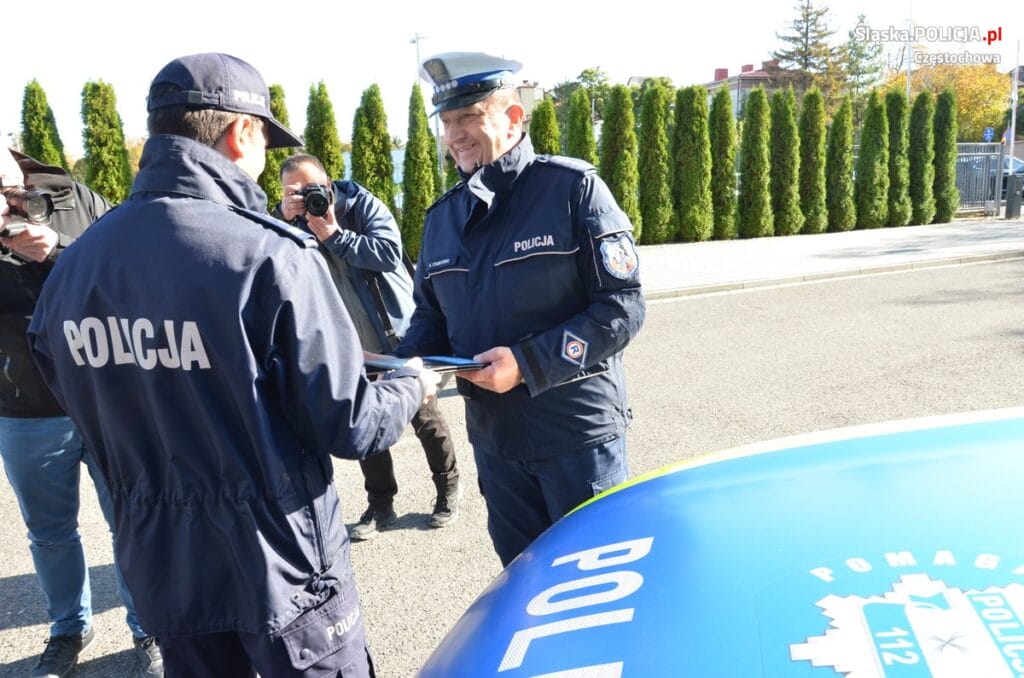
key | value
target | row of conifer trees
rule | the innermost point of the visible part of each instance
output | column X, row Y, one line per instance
column 685, row 173
column 106, row 167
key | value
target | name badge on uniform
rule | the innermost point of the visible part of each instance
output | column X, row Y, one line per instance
column 619, row 257
column 574, row 349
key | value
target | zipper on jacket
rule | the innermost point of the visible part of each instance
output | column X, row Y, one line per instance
column 317, row 530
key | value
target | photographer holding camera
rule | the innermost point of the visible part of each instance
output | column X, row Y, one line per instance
column 42, row 211
column 364, row 256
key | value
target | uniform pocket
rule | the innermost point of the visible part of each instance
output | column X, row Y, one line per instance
column 330, row 634
column 449, row 277
column 611, row 470
column 540, row 290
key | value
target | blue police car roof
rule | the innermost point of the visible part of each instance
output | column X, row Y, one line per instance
column 882, row 550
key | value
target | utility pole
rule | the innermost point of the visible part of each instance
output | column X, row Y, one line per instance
column 910, row 46
column 437, row 132
column 1013, row 104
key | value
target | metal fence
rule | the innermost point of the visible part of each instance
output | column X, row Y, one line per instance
column 979, row 176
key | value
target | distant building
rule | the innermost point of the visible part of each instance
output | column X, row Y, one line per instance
column 531, row 94
column 769, row 76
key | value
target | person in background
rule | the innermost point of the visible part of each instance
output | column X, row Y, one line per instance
column 360, row 240
column 42, row 452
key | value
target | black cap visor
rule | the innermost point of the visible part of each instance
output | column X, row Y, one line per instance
column 458, row 97
column 279, row 136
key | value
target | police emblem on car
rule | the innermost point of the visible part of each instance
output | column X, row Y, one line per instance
column 619, row 257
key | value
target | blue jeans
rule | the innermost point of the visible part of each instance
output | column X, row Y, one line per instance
column 524, row 498
column 42, row 458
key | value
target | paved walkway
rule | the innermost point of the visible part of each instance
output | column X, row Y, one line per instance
column 698, row 268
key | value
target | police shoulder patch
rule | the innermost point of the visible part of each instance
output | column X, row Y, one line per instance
column 574, row 349
column 286, row 230
column 618, row 254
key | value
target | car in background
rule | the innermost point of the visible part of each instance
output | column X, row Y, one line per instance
column 1017, row 168
column 885, row 550
column 977, row 169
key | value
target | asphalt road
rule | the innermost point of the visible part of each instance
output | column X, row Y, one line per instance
column 706, row 373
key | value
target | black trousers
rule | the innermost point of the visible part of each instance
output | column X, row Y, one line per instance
column 436, row 439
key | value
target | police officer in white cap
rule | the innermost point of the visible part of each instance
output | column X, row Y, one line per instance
column 528, row 265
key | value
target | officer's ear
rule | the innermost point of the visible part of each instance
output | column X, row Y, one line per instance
column 515, row 112
column 239, row 137
column 516, row 117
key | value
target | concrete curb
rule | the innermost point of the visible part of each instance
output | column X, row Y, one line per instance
column 699, row 290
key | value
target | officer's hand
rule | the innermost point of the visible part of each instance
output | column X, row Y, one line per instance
column 323, row 227
column 34, row 243
column 502, row 373
column 292, row 204
column 429, row 379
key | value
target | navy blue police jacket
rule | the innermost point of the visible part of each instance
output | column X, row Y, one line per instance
column 202, row 350
column 532, row 252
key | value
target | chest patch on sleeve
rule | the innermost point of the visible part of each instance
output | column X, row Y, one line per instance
column 574, row 349
column 618, row 254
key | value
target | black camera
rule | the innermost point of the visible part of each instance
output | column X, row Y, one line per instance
column 32, row 206
column 317, row 198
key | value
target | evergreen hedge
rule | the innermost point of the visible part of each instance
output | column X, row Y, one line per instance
column 922, row 159
column 321, row 134
column 812, row 162
column 899, row 165
column 842, row 212
column 372, row 165
column 107, row 170
column 785, row 164
column 947, row 197
column 723, row 165
column 691, row 165
column 580, row 136
column 544, row 128
column 754, row 208
column 654, row 193
column 39, row 136
column 270, row 179
column 419, row 174
column 871, row 188
column 619, row 154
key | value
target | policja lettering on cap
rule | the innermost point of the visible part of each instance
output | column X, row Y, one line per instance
column 222, row 82
column 464, row 78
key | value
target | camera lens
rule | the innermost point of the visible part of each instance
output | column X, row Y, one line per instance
column 317, row 199
column 317, row 204
column 36, row 206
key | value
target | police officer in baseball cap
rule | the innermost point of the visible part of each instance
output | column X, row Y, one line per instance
column 221, row 82
column 529, row 266
column 185, row 335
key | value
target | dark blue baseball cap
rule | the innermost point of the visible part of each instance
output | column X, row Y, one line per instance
column 222, row 82
column 464, row 78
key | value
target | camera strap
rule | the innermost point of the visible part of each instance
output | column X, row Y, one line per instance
column 372, row 279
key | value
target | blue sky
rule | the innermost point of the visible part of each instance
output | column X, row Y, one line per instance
column 350, row 46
